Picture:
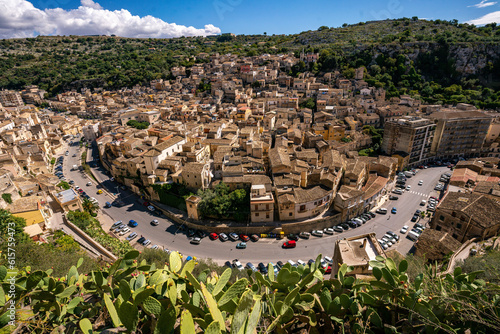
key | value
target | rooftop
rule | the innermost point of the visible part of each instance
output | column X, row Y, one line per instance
column 67, row 195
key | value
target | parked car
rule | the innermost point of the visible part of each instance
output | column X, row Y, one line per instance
column 317, row 233
column 151, row 208
column 223, row 237
column 241, row 245
column 293, row 264
column 141, row 240
column 293, row 236
column 107, row 205
column 155, row 222
column 338, row 229
column 394, row 235
column 382, row 211
column 301, row 263
column 262, row 267
column 304, row 235
column 344, row 226
column 280, row 264
column 195, row 241
column 132, row 223
column 214, row 236
column 420, row 182
column 132, row 236
column 382, row 244
column 329, row 230
column 404, row 229
column 371, row 214
column 254, row 237
column 393, row 198
column 191, row 233
column 237, row 264
column 328, row 259
column 290, row 244
column 234, row 236
column 251, row 267
column 146, row 243
column 394, row 210
column 414, row 218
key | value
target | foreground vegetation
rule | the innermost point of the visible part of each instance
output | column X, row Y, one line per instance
column 145, row 298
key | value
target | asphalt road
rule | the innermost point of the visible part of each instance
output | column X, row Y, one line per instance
column 167, row 236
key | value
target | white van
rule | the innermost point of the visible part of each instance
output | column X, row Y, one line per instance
column 412, row 236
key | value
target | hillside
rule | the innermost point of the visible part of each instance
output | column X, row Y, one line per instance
column 445, row 52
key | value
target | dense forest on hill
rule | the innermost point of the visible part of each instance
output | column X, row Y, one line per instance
column 439, row 61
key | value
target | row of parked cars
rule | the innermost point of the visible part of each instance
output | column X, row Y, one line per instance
column 325, row 264
column 388, row 240
column 196, row 235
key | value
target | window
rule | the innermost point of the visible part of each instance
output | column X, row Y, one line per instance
column 267, row 206
column 302, row 208
column 459, row 225
column 454, row 214
column 256, row 207
column 256, row 214
column 267, row 215
column 455, row 236
column 196, row 183
column 441, row 218
column 438, row 228
column 290, row 214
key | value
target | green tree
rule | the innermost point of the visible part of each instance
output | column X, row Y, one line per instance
column 12, row 227
column 90, row 206
column 7, row 198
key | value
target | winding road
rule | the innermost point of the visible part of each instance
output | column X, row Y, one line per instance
column 167, row 236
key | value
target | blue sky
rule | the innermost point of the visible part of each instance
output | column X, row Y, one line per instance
column 168, row 18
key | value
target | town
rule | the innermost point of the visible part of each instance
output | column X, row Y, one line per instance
column 236, row 148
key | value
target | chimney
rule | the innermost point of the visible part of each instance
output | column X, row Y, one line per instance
column 364, row 243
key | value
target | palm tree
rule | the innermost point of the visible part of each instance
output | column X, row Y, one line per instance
column 89, row 206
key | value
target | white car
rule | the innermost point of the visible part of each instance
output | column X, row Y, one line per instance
column 237, row 264
column 408, row 188
column 151, row 208
column 404, row 229
column 301, row 263
column 420, row 182
column 317, row 233
column 329, row 230
column 89, row 183
column 125, row 230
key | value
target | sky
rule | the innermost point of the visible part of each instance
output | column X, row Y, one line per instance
column 167, row 18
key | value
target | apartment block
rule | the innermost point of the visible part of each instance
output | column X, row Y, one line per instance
column 410, row 135
column 459, row 133
column 10, row 98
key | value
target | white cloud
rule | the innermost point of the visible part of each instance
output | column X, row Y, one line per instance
column 482, row 4
column 19, row 18
column 488, row 18
column 90, row 4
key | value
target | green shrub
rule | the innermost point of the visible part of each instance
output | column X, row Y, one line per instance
column 7, row 198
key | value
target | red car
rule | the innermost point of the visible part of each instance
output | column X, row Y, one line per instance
column 290, row 244
column 328, row 270
column 80, row 191
column 244, row 237
column 214, row 236
column 145, row 203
